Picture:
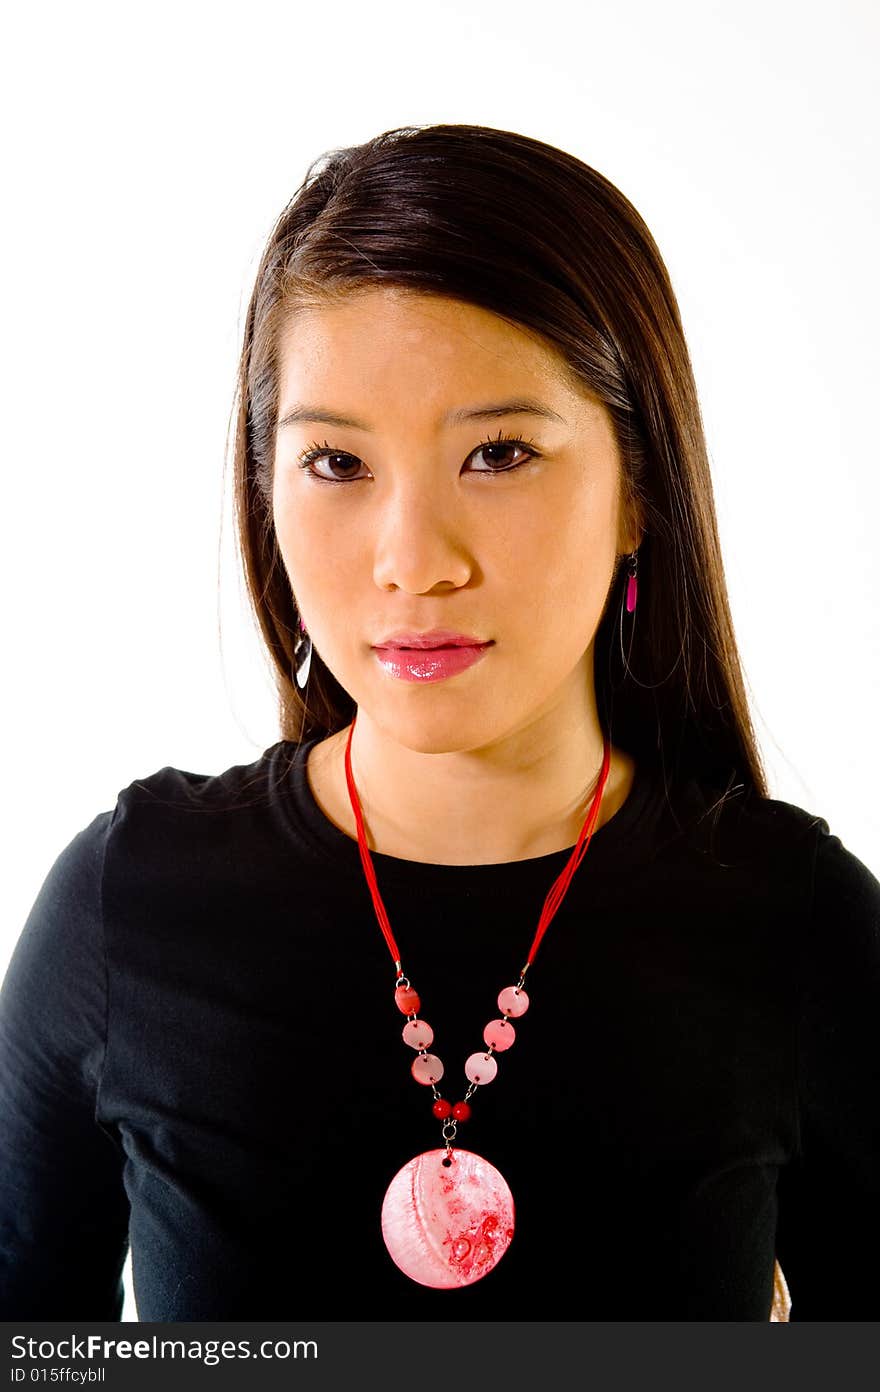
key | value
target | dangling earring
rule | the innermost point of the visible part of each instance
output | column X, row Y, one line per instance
column 302, row 657
column 628, row 607
column 632, row 584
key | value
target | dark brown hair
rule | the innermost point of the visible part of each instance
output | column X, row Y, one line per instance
column 530, row 233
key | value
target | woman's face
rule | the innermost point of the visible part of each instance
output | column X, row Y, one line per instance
column 428, row 526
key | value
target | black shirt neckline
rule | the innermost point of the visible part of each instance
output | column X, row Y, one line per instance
column 623, row 839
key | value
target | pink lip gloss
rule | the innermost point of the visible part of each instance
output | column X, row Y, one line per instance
column 428, row 664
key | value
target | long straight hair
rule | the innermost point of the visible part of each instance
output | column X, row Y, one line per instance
column 527, row 231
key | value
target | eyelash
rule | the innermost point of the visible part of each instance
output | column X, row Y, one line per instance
column 315, row 451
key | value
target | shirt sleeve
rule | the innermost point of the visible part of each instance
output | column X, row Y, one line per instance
column 828, row 1221
column 63, row 1207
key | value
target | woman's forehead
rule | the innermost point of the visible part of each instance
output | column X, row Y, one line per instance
column 448, row 351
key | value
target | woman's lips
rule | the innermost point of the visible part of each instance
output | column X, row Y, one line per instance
column 428, row 664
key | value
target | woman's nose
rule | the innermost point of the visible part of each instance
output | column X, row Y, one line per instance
column 419, row 545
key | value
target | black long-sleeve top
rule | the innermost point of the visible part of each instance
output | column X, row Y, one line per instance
column 200, row 1055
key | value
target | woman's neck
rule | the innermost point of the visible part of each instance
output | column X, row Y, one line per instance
column 476, row 807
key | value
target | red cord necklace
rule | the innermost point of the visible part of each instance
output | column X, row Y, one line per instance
column 447, row 1217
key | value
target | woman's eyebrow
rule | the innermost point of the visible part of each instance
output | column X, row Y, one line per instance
column 519, row 407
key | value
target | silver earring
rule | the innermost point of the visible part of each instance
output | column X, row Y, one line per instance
column 302, row 657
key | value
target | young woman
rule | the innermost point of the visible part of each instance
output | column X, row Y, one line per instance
column 498, row 987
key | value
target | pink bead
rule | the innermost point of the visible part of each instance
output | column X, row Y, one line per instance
column 499, row 1034
column 417, row 1034
column 427, row 1069
column 407, row 999
column 512, row 1001
column 480, row 1068
column 632, row 590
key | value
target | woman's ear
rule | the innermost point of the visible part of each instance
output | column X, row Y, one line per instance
column 630, row 524
column 630, row 541
column 631, row 528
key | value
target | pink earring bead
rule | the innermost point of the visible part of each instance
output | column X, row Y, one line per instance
column 427, row 1069
column 480, row 1068
column 513, row 1001
column 418, row 1034
column 632, row 590
column 499, row 1034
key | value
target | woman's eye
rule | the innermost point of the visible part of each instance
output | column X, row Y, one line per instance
column 496, row 450
column 328, row 457
column 496, row 457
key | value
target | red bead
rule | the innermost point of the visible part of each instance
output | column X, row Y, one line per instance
column 461, row 1111
column 407, row 1000
column 441, row 1108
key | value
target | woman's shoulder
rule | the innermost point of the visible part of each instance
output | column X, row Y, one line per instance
column 179, row 789
column 175, row 816
column 738, row 826
column 734, row 818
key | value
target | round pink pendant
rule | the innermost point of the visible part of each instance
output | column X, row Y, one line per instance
column 447, row 1226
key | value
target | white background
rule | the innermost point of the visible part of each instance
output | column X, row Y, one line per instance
column 147, row 153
